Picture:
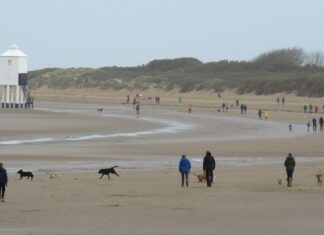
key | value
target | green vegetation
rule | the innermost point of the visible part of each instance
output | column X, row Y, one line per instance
column 285, row 70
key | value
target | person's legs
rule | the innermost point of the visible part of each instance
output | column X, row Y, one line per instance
column 182, row 178
column 208, row 178
column 289, row 177
column 2, row 190
column 187, row 180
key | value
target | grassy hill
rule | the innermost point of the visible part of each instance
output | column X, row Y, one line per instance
column 267, row 74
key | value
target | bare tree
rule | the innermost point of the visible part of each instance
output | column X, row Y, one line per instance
column 315, row 59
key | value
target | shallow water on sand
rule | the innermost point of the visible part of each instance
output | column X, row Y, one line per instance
column 144, row 164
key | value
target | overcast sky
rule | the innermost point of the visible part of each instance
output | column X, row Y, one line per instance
column 95, row 33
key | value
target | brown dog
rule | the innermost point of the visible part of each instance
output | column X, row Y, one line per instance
column 319, row 177
column 200, row 177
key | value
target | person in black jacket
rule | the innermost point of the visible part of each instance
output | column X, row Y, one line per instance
column 290, row 166
column 3, row 181
column 209, row 166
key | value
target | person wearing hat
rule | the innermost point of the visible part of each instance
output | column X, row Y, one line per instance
column 290, row 166
column 184, row 169
column 3, row 181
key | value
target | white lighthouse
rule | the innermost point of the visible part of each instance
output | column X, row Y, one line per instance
column 13, row 79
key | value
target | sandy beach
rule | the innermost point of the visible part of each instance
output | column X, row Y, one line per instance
column 72, row 138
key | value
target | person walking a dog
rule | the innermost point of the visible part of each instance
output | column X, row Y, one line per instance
column 3, row 181
column 184, row 169
column 209, row 166
column 290, row 166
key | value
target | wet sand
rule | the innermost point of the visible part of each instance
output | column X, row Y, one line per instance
column 244, row 200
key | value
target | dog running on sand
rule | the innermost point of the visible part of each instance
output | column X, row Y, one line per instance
column 27, row 174
column 108, row 171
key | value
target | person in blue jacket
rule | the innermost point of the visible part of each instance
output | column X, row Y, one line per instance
column 184, row 168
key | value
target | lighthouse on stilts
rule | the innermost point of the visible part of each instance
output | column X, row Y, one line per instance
column 13, row 79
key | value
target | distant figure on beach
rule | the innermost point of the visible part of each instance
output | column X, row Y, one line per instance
column 321, row 122
column 290, row 127
column 209, row 166
column 127, row 99
column 266, row 116
column 310, row 108
column 308, row 125
column 243, row 108
column 238, row 103
column 260, row 114
column 223, row 107
column 305, row 108
column 314, row 121
column 138, row 108
column 3, row 181
column 283, row 100
column 316, row 108
column 184, row 169
column 290, row 166
column 180, row 100
column 189, row 108
column 278, row 100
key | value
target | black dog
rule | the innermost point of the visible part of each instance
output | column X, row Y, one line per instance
column 25, row 174
column 108, row 171
column 100, row 110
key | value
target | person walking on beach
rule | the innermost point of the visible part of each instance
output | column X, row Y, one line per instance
column 308, row 125
column 314, row 124
column 189, row 108
column 321, row 122
column 3, row 181
column 184, row 169
column 209, row 166
column 305, row 108
column 290, row 167
column 283, row 100
column 138, row 108
column 266, row 116
column 278, row 100
column 260, row 114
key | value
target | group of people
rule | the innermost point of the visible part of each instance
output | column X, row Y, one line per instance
column 264, row 114
column 309, row 108
column 209, row 165
column 243, row 108
column 313, row 123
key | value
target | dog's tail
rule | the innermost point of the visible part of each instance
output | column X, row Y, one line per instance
column 115, row 166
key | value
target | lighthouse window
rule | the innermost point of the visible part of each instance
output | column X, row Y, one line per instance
column 9, row 62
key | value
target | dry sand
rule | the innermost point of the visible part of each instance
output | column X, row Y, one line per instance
column 244, row 199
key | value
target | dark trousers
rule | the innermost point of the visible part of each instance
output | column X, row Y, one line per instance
column 321, row 127
column 183, row 176
column 209, row 177
column 289, row 173
column 2, row 190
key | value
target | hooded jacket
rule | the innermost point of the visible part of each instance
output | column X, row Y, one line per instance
column 3, row 176
column 184, row 164
column 209, row 163
column 290, row 163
